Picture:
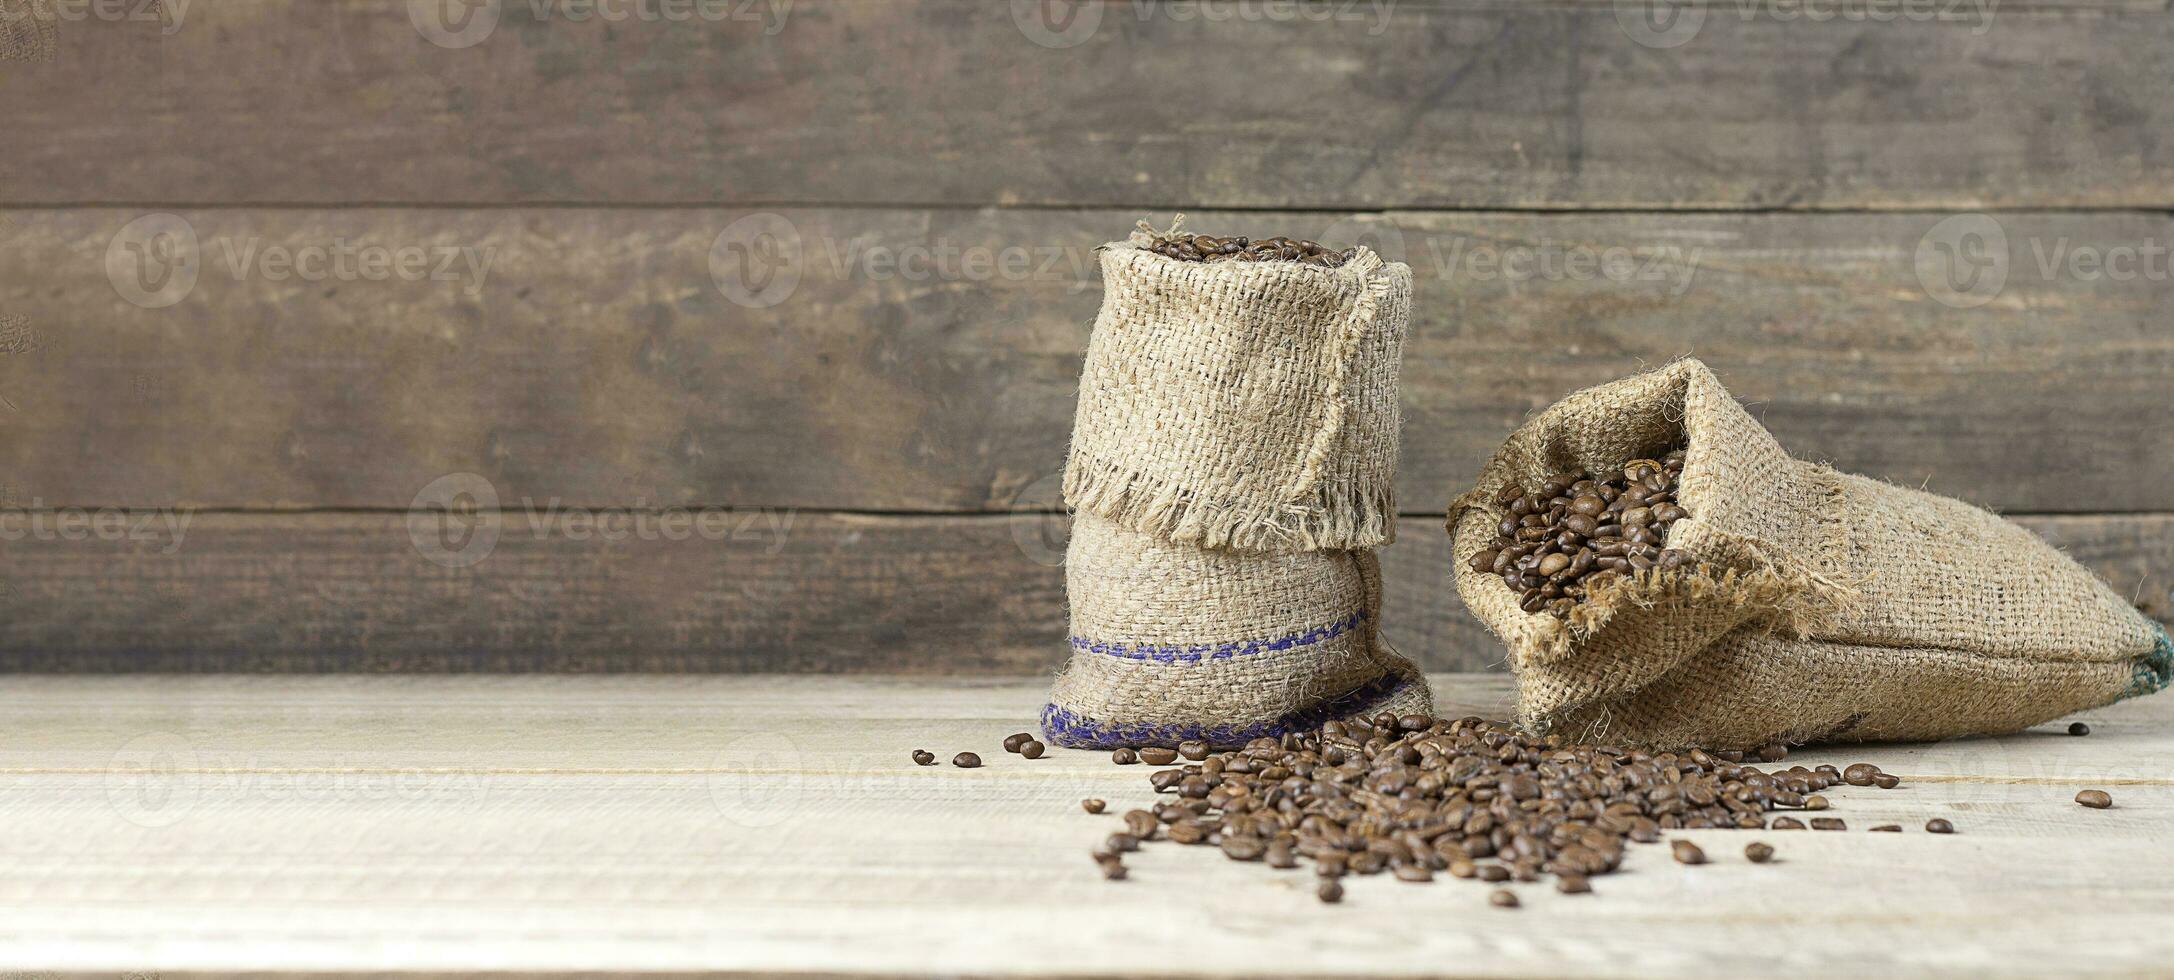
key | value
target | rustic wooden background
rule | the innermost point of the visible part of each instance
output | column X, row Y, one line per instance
column 877, row 450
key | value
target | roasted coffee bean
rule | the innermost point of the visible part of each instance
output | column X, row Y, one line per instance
column 1493, row 872
column 1502, row 898
column 1773, row 753
column 1828, row 823
column 1186, row 832
column 1032, row 749
column 1686, row 852
column 1209, row 248
column 1860, row 774
column 1939, row 825
column 1156, row 755
column 1193, row 751
column 1243, row 848
column 923, row 757
column 1412, row 873
column 1124, row 757
column 2096, row 799
column 1786, row 823
column 1013, row 742
column 1280, row 856
column 1887, row 828
column 1165, row 780
column 2078, row 728
column 1553, row 548
column 1886, row 780
column 966, row 760
column 1758, row 853
column 1120, row 843
column 1092, row 806
column 1572, row 884
column 1141, row 824
column 1816, row 802
column 1330, row 892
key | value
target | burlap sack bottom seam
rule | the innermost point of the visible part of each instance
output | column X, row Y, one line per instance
column 1079, row 730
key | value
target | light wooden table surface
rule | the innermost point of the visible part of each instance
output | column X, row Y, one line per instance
column 775, row 825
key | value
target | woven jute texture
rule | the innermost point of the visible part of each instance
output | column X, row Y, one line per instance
column 1242, row 404
column 1173, row 642
column 1826, row 606
column 27, row 30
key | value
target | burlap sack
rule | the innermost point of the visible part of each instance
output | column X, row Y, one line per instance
column 27, row 30
column 1173, row 642
column 1242, row 404
column 1826, row 606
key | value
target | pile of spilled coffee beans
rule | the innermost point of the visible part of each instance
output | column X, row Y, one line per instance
column 1416, row 796
column 1558, row 542
column 1208, row 248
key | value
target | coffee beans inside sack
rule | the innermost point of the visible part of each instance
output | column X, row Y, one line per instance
column 1578, row 532
column 1230, row 469
column 1806, row 604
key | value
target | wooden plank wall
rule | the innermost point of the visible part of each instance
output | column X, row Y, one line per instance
column 519, row 264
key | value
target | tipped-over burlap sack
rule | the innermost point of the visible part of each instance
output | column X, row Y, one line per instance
column 1173, row 642
column 1825, row 606
column 1242, row 404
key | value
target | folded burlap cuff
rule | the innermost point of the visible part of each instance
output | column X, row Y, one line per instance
column 1824, row 605
column 1242, row 404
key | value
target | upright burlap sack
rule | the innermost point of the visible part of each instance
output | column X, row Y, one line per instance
column 1242, row 404
column 1825, row 606
column 1173, row 642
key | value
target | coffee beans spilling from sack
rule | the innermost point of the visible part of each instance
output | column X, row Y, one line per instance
column 1578, row 530
column 1415, row 795
column 1209, row 248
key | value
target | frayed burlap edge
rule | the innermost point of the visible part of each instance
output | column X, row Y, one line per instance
column 1311, row 516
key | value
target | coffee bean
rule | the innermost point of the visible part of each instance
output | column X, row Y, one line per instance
column 1493, row 872
column 1092, row 806
column 2078, row 728
column 1502, row 898
column 1758, row 853
column 1210, row 248
column 1828, row 823
column 1860, row 774
column 1032, row 749
column 1572, row 884
column 1786, row 823
column 1120, row 843
column 1240, row 848
column 1773, row 753
column 1330, row 892
column 1194, row 751
column 1141, row 824
column 1112, row 867
column 1686, row 852
column 1938, row 825
column 923, row 757
column 1886, row 780
column 966, row 760
column 1816, row 802
column 1186, row 832
column 1013, row 742
column 1412, row 873
column 1553, row 549
column 2096, row 799
column 1156, row 755
column 1887, row 828
column 1280, row 855
column 1124, row 757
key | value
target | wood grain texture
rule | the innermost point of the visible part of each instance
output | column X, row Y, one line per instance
column 947, row 102
column 774, row 591
column 926, row 361
column 758, row 826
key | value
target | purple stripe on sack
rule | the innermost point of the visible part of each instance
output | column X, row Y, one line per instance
column 1063, row 727
column 1193, row 653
